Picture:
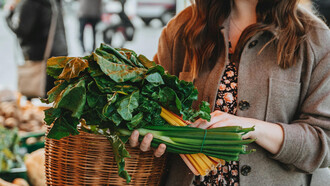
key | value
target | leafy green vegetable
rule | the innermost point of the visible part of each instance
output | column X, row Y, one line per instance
column 73, row 98
column 127, row 105
column 73, row 68
column 55, row 65
column 119, row 72
column 114, row 89
column 63, row 127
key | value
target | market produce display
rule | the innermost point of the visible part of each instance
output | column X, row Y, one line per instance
column 22, row 131
column 27, row 118
column 114, row 91
column 9, row 147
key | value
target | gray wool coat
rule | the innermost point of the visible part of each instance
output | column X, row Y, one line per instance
column 297, row 98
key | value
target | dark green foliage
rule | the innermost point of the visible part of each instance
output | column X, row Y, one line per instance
column 115, row 89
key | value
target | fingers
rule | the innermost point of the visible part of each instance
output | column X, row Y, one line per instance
column 146, row 142
column 197, row 123
column 216, row 116
column 160, row 150
column 134, row 139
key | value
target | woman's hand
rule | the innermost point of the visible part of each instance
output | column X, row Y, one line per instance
column 221, row 119
column 145, row 144
column 268, row 135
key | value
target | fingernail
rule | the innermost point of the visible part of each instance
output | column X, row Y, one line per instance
column 135, row 132
column 149, row 136
column 162, row 146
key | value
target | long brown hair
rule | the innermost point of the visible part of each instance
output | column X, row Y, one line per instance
column 205, row 43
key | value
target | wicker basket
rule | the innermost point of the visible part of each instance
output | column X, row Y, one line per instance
column 87, row 159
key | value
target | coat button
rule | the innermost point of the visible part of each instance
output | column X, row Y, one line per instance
column 245, row 170
column 253, row 43
column 244, row 105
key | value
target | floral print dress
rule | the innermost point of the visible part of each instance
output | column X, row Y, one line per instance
column 226, row 174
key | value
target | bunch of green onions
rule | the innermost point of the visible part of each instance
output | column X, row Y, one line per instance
column 224, row 142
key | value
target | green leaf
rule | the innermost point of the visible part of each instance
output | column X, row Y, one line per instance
column 186, row 91
column 108, row 56
column 127, row 106
column 113, row 51
column 55, row 93
column 73, row 68
column 63, row 127
column 51, row 114
column 120, row 153
column 148, row 89
column 120, row 72
column 130, row 55
column 106, row 85
column 55, row 65
column 116, row 118
column 203, row 112
column 94, row 99
column 156, row 68
column 136, row 120
column 109, row 111
column 73, row 98
column 155, row 78
column 94, row 69
column 91, row 116
column 169, row 99
column 146, row 62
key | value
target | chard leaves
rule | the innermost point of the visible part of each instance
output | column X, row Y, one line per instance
column 120, row 153
column 64, row 126
column 114, row 89
column 73, row 98
column 73, row 68
column 127, row 105
column 119, row 72
column 55, row 65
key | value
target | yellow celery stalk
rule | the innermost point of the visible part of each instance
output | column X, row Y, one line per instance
column 177, row 121
column 196, row 162
column 205, row 168
column 207, row 161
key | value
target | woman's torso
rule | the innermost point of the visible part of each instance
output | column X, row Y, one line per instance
column 265, row 92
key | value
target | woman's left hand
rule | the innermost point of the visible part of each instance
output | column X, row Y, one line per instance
column 268, row 135
column 221, row 119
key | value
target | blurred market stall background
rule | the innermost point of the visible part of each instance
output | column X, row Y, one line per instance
column 137, row 27
column 147, row 16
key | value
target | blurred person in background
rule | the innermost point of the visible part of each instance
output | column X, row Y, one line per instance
column 89, row 14
column 30, row 20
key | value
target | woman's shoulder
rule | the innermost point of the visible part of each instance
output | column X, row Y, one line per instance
column 174, row 26
column 316, row 27
column 317, row 33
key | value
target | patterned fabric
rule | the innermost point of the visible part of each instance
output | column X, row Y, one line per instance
column 226, row 101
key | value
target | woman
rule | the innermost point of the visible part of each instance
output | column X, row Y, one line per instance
column 259, row 63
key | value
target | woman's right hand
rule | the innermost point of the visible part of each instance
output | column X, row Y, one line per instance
column 145, row 144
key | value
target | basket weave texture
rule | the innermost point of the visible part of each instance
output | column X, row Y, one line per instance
column 87, row 159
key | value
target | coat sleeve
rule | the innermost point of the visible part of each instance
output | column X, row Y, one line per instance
column 22, row 20
column 307, row 139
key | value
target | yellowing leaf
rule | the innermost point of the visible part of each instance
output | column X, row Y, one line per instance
column 73, row 68
column 55, row 65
